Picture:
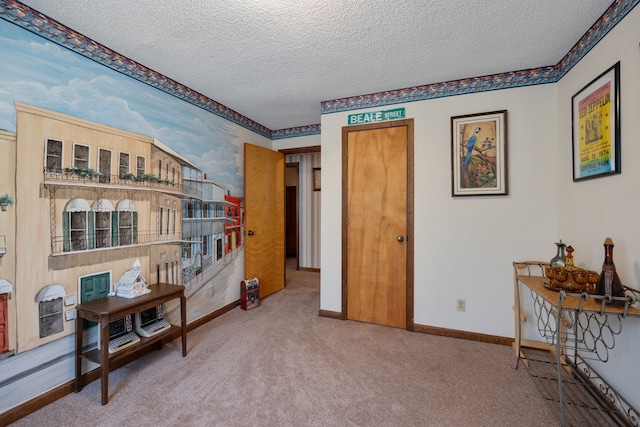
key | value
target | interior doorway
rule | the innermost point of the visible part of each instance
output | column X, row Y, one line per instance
column 302, row 208
column 377, row 224
column 292, row 231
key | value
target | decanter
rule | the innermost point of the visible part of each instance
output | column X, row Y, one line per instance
column 609, row 283
column 560, row 259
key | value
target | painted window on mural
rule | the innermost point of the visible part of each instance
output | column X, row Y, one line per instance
column 54, row 156
column 78, row 230
column 173, row 229
column 125, row 224
column 123, row 164
column 186, row 250
column 100, row 226
column 205, row 245
column 140, row 166
column 81, row 156
column 50, row 317
column 125, row 227
column 219, row 251
column 103, row 229
column 168, row 219
column 104, row 165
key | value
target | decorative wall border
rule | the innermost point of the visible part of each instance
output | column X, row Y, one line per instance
column 50, row 29
column 535, row 76
column 32, row 20
column 296, row 131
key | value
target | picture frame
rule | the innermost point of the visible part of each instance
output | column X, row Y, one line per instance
column 316, row 179
column 595, row 127
column 479, row 154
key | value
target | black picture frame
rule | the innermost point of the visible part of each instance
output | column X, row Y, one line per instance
column 595, row 127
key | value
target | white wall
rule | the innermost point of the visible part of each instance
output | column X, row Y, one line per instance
column 464, row 246
column 589, row 211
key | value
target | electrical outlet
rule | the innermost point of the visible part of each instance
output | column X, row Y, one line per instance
column 70, row 315
column 460, row 305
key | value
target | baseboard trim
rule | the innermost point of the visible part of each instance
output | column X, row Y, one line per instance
column 22, row 410
column 38, row 402
column 312, row 270
column 443, row 332
column 209, row 317
column 331, row 314
column 472, row 336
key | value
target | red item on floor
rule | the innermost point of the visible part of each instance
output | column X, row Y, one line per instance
column 249, row 293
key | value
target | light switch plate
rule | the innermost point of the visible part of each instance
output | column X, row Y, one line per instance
column 70, row 315
column 70, row 300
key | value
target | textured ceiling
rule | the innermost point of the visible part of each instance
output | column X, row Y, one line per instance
column 274, row 61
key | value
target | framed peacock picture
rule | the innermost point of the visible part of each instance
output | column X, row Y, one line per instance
column 479, row 154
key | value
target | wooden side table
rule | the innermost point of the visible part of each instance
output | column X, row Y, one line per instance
column 104, row 310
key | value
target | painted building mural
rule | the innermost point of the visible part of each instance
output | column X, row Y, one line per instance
column 104, row 170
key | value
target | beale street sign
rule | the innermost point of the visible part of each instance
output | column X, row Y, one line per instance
column 375, row 116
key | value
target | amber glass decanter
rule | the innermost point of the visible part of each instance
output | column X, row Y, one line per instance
column 609, row 283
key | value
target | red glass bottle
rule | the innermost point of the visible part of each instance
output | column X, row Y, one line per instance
column 609, row 283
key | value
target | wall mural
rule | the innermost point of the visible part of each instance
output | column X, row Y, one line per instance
column 40, row 73
column 73, row 104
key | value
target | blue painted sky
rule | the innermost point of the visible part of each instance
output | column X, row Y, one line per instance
column 37, row 72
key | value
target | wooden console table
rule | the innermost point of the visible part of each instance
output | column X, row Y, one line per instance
column 577, row 327
column 104, row 310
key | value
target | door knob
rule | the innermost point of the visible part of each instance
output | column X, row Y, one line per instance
column 400, row 239
column 250, row 232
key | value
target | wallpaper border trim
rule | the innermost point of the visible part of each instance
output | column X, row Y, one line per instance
column 50, row 29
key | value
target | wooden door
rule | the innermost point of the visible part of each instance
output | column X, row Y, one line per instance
column 378, row 225
column 264, row 251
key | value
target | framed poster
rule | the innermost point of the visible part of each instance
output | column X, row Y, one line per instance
column 479, row 154
column 595, row 126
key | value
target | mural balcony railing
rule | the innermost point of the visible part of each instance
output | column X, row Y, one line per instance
column 105, row 241
column 87, row 177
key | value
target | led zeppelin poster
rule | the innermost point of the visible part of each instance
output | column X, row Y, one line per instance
column 596, row 144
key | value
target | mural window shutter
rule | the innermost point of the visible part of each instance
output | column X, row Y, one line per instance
column 135, row 226
column 66, row 244
column 114, row 228
column 91, row 230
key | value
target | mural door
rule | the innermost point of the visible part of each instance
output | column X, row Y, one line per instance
column 264, row 217
column 94, row 287
column 378, row 226
column 4, row 329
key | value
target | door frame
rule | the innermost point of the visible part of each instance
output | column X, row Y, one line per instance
column 409, row 214
column 296, row 166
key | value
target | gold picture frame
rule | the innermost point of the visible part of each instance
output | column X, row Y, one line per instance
column 479, row 154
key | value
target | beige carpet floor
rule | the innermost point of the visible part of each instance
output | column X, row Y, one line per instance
column 281, row 364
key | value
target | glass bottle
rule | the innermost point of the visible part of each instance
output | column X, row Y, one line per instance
column 609, row 283
column 569, row 258
column 560, row 259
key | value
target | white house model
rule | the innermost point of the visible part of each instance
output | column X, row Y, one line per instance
column 132, row 284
